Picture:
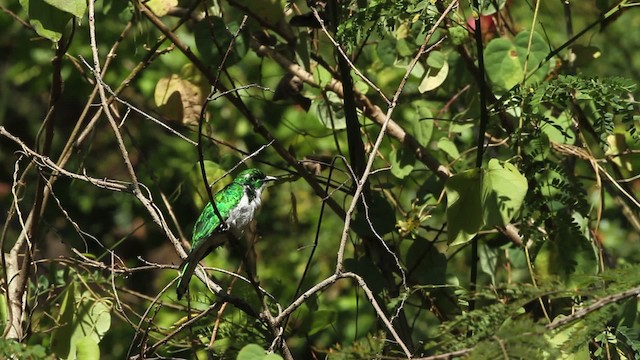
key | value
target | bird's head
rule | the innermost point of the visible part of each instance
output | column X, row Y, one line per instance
column 254, row 178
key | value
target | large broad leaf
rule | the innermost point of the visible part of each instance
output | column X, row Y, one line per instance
column 558, row 129
column 256, row 352
column 422, row 121
column 251, row 352
column 402, row 162
column 73, row 7
column 505, row 59
column 330, row 112
column 488, row 260
column 47, row 20
column 87, row 349
column 84, row 321
column 464, row 206
column 478, row 199
column 180, row 97
column 268, row 11
column 437, row 71
column 449, row 147
column 161, row 7
column 503, row 190
column 61, row 336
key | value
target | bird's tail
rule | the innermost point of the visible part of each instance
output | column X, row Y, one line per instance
column 188, row 267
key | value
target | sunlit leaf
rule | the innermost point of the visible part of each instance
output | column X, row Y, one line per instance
column 402, row 162
column 434, row 78
column 329, row 113
column 73, row 7
column 47, row 20
column 449, row 147
column 503, row 190
column 251, row 352
column 87, row 348
column 505, row 59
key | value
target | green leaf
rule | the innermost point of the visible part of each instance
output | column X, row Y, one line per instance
column 256, row 352
column 458, row 34
column 48, row 21
column 330, row 112
column 161, row 7
column 321, row 76
column 488, row 261
column 272, row 357
column 562, row 338
column 477, row 199
column 403, row 48
column 402, row 162
column 87, row 348
column 558, row 129
column 434, row 78
column 422, row 122
column 81, row 317
column 73, row 7
column 4, row 312
column 95, row 316
column 505, row 59
column 464, row 206
column 386, row 50
column 436, row 59
column 503, row 190
column 449, row 148
column 61, row 336
column 252, row 352
column 538, row 148
column 11, row 349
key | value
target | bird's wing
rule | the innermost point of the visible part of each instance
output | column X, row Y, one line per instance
column 208, row 222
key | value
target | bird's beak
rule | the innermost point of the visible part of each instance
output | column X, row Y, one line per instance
column 270, row 178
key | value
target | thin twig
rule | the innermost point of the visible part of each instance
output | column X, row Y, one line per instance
column 600, row 303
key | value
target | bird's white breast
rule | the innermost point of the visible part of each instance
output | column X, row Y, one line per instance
column 244, row 213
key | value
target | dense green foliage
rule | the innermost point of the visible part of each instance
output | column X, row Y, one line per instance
column 496, row 215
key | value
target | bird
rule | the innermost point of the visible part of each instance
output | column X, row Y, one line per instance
column 238, row 204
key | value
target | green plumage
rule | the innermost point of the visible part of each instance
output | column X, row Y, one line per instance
column 237, row 204
column 208, row 222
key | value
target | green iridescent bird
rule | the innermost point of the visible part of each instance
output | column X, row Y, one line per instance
column 238, row 204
